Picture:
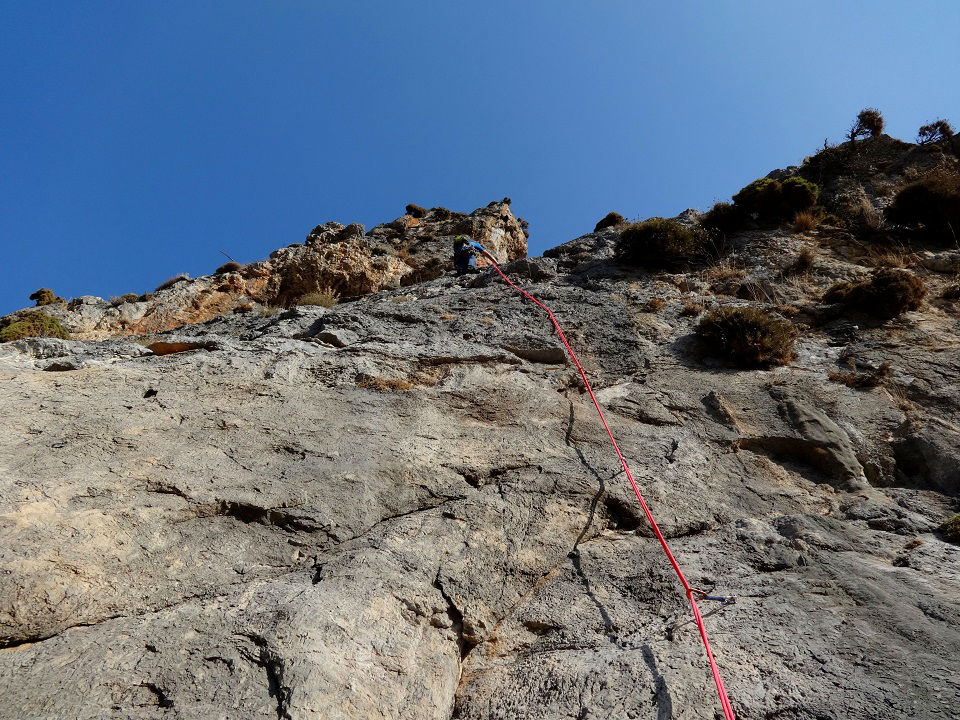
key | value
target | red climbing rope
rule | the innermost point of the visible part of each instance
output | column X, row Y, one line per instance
column 690, row 591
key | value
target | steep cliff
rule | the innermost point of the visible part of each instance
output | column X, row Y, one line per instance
column 402, row 506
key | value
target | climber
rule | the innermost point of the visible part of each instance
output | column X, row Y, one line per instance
column 465, row 255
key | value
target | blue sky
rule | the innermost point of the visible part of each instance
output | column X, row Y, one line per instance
column 138, row 139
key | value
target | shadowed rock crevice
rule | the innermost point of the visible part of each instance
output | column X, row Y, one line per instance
column 273, row 666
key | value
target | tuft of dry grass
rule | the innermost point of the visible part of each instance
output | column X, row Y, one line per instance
column 653, row 305
column 803, row 262
column 805, row 221
column 691, row 308
column 170, row 282
column 900, row 399
column 889, row 257
column 325, row 297
column 724, row 278
column 385, row 384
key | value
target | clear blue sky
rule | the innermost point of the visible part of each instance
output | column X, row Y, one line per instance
column 138, row 138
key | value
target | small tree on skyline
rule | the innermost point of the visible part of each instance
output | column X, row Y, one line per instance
column 869, row 123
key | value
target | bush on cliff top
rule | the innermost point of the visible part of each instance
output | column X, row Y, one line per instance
column 658, row 243
column 747, row 336
column 869, row 123
column 170, row 282
column 771, row 201
column 46, row 296
column 34, row 324
column 416, row 211
column 886, row 294
column 934, row 132
column 611, row 219
column 228, row 267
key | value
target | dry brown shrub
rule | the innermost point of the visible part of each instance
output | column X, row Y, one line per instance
column 747, row 336
column 886, row 294
column 889, row 257
column 951, row 292
column 228, row 267
column 858, row 380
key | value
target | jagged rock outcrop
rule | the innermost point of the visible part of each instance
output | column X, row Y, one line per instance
column 403, row 506
column 337, row 258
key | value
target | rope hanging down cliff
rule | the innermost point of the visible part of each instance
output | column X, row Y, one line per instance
column 690, row 591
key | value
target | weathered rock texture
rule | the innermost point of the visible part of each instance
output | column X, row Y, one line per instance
column 336, row 258
column 404, row 507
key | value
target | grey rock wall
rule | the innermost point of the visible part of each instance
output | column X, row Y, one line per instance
column 404, row 507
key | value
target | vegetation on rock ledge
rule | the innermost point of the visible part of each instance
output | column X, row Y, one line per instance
column 34, row 324
column 748, row 336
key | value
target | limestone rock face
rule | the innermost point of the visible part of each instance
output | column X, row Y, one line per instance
column 403, row 506
column 335, row 257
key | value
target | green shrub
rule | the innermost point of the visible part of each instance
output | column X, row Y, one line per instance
column 611, row 219
column 46, row 296
column 416, row 211
column 747, row 336
column 228, row 267
column 325, row 297
column 658, row 242
column 34, row 324
column 762, row 198
column 773, row 202
column 869, row 123
column 122, row 299
column 798, row 195
column 886, row 294
column 724, row 218
column 934, row 132
column 950, row 529
column 931, row 205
